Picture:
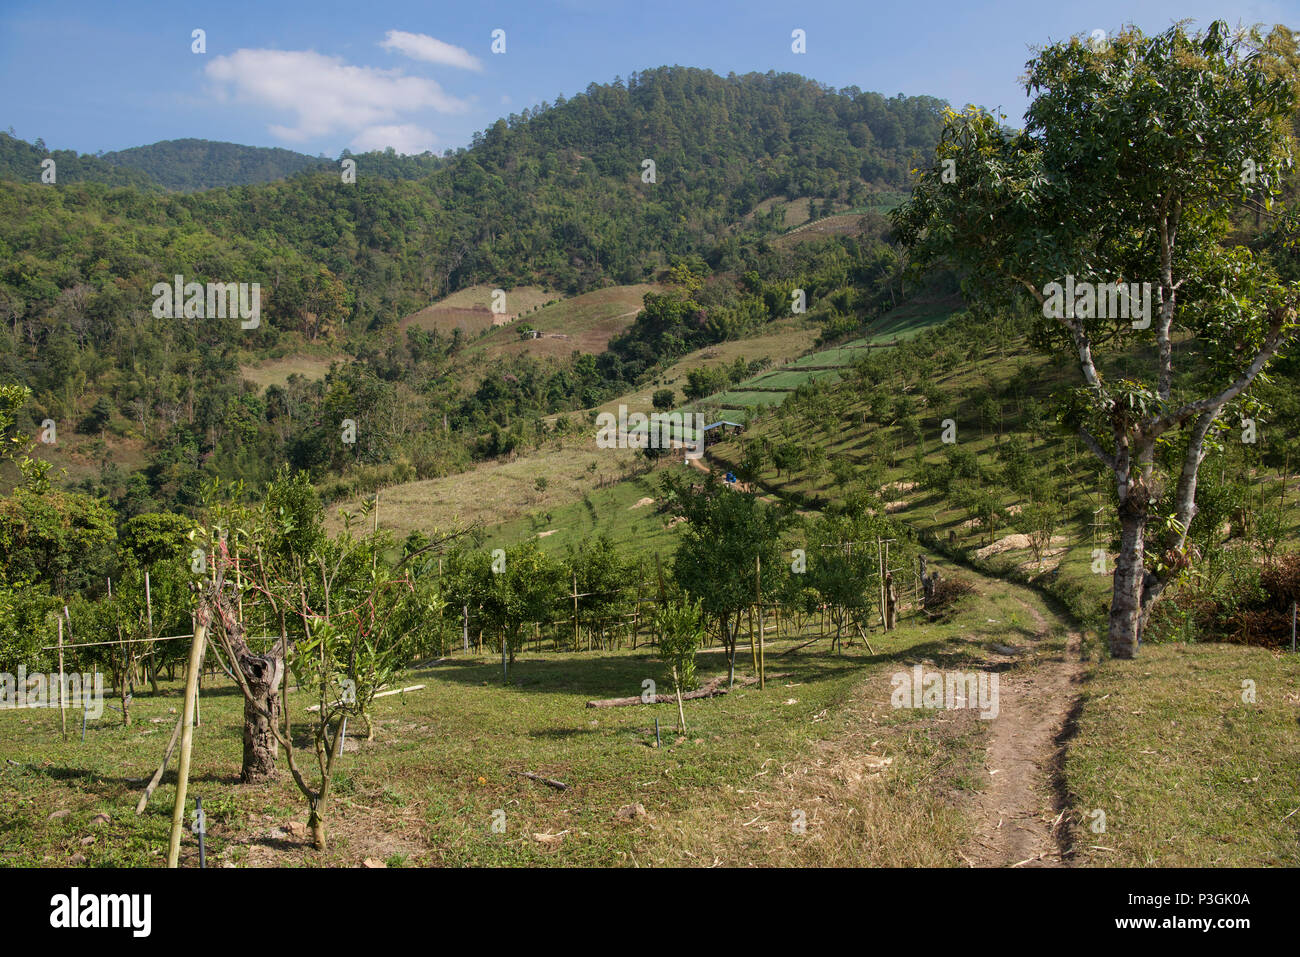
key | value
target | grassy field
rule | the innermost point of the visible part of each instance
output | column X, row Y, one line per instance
column 271, row 372
column 625, row 511
column 1187, row 773
column 875, row 785
column 500, row 491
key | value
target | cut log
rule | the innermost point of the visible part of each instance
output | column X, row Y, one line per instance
column 549, row 782
column 711, row 689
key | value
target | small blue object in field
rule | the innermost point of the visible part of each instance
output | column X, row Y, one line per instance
column 730, row 477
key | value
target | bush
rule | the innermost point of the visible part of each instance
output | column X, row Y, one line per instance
column 947, row 593
column 680, row 629
column 1235, row 600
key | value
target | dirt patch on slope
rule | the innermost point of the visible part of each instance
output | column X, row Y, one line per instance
column 1021, row 813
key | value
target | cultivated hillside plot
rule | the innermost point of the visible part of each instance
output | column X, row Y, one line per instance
column 470, row 309
column 583, row 323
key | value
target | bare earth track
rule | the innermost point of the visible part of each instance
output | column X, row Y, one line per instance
column 1021, row 813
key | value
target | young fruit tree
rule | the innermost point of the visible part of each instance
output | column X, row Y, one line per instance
column 680, row 627
column 728, row 532
column 1113, row 209
column 338, row 612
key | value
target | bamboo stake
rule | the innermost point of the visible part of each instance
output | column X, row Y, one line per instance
column 758, row 597
column 576, row 637
column 63, row 716
column 753, row 644
column 162, row 768
column 681, row 714
column 187, row 740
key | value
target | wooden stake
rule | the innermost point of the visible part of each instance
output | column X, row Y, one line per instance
column 753, row 642
column 63, row 716
column 576, row 637
column 758, row 599
column 187, row 741
column 636, row 614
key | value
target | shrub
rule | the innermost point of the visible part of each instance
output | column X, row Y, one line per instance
column 947, row 593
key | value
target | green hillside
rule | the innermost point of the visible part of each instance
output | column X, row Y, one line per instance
column 191, row 164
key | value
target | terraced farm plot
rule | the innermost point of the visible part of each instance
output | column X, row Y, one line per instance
column 790, row 380
column 783, row 339
column 770, row 388
column 910, row 320
column 748, row 400
column 844, row 355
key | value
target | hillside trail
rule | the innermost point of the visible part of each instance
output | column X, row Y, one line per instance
column 1020, row 815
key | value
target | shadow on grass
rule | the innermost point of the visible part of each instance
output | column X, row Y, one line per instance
column 620, row 675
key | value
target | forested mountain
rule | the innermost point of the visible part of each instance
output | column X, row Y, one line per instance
column 189, row 165
column 192, row 164
column 554, row 197
column 20, row 162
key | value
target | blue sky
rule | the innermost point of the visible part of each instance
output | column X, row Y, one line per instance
column 322, row 76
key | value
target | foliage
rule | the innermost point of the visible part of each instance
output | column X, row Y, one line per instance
column 680, row 629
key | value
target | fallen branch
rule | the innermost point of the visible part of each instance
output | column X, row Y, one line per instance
column 711, row 689
column 549, row 782
column 426, row 663
column 797, row 647
column 157, row 775
column 864, row 638
column 382, row 694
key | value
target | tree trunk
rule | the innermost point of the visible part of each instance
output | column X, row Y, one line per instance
column 317, row 825
column 264, row 674
column 1125, row 630
column 681, row 714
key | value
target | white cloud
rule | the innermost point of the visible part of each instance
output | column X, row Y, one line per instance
column 420, row 46
column 404, row 138
column 324, row 93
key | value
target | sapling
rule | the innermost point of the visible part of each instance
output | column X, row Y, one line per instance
column 680, row 626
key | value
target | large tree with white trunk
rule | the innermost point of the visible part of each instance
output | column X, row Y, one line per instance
column 1135, row 155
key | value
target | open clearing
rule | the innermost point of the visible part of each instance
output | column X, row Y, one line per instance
column 271, row 372
column 499, row 490
column 584, row 323
column 470, row 309
column 822, row 746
